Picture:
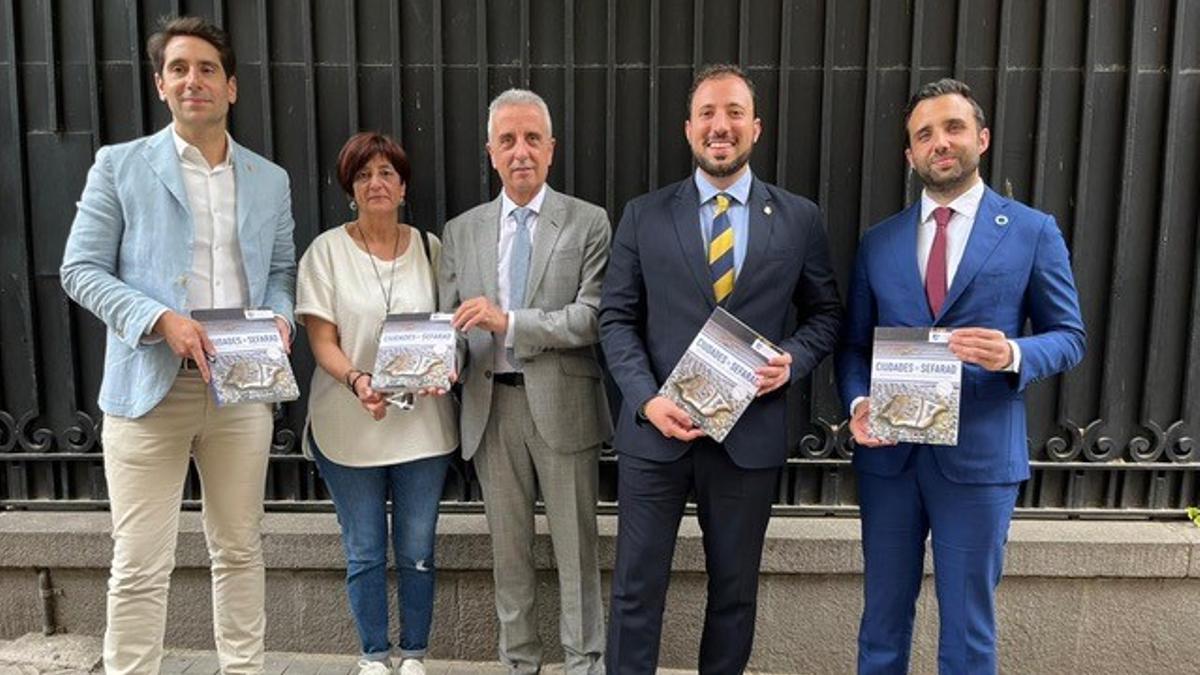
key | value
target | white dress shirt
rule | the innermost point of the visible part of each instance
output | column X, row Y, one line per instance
column 218, row 278
column 958, row 231
column 962, row 219
column 508, row 230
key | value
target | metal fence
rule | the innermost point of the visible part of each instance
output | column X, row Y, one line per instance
column 1093, row 105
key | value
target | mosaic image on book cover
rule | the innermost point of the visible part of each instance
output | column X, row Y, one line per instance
column 416, row 351
column 251, row 363
column 714, row 381
column 916, row 386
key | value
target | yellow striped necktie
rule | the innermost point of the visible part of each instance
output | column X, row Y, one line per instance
column 720, row 251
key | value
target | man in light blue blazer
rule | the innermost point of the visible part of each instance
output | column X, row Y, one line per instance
column 180, row 220
column 962, row 257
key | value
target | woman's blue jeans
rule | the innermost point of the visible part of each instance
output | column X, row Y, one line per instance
column 360, row 496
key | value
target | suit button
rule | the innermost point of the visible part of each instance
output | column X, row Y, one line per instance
column 487, row 374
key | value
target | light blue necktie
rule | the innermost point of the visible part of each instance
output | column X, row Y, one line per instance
column 518, row 266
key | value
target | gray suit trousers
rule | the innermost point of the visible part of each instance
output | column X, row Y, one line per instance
column 512, row 462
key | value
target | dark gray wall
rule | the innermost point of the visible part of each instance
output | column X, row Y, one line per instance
column 1093, row 108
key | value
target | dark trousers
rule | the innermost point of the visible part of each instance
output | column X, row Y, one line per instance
column 734, row 505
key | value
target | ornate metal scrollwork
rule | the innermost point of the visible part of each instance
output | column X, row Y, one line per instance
column 844, row 441
column 283, row 442
column 283, row 438
column 823, row 443
column 1065, row 448
column 832, row 439
column 812, row 446
column 39, row 440
column 1085, row 441
column 84, row 436
column 1104, row 449
column 1097, row 448
column 1149, row 447
column 8, row 432
column 1180, row 445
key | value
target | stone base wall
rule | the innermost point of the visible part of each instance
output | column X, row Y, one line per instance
column 1095, row 597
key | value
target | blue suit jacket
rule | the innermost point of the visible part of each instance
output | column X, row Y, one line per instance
column 129, row 255
column 1015, row 268
column 658, row 294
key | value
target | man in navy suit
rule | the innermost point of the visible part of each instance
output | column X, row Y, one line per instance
column 962, row 257
column 720, row 236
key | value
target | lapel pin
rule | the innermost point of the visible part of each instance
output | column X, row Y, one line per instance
column 767, row 210
column 1001, row 220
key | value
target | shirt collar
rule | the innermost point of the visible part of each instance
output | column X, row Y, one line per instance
column 507, row 206
column 966, row 204
column 190, row 153
column 740, row 191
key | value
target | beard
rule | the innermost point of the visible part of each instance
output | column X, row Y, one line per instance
column 723, row 168
column 948, row 182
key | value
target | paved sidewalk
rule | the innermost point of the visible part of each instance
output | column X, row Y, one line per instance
column 34, row 654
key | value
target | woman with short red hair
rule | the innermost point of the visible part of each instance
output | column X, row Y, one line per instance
column 349, row 280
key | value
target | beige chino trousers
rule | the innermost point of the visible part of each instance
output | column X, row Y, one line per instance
column 145, row 463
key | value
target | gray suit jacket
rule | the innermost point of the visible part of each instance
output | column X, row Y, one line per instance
column 555, row 335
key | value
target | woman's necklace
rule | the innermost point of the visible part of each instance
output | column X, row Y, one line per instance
column 387, row 294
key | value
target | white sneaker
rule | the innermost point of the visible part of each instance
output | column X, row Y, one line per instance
column 373, row 668
column 411, row 667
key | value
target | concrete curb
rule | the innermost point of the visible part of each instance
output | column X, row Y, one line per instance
column 300, row 541
column 53, row 653
column 1078, row 596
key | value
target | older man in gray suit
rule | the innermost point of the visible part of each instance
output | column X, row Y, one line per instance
column 522, row 274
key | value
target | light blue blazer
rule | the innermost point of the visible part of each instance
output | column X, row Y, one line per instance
column 129, row 256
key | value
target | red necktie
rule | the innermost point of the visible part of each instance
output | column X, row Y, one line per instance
column 935, row 268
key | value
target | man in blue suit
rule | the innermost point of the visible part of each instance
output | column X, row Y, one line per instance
column 962, row 257
column 719, row 237
column 184, row 219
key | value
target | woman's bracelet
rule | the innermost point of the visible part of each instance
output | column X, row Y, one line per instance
column 353, row 381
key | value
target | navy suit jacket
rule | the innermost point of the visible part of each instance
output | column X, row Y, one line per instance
column 1015, row 269
column 658, row 293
